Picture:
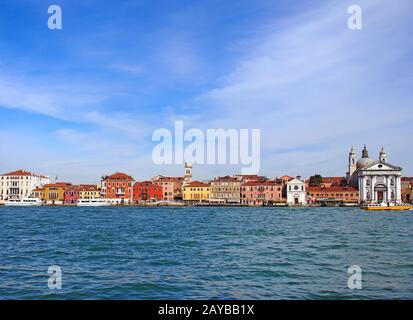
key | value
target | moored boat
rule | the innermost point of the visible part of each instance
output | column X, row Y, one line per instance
column 23, row 202
column 386, row 206
column 93, row 203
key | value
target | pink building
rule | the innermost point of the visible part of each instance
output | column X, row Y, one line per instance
column 72, row 195
column 168, row 187
column 258, row 193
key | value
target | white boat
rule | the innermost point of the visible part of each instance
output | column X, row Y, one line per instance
column 93, row 203
column 24, row 202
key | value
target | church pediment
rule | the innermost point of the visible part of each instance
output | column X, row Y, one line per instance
column 381, row 166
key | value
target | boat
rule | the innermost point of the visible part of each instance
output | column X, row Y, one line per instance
column 93, row 203
column 387, row 206
column 23, row 202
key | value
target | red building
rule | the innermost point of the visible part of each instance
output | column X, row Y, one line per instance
column 117, row 186
column 337, row 194
column 259, row 193
column 72, row 195
column 147, row 191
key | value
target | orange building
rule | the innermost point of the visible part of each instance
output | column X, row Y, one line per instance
column 333, row 194
column 117, row 186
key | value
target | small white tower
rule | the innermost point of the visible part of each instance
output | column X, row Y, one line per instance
column 352, row 162
column 188, row 172
column 383, row 155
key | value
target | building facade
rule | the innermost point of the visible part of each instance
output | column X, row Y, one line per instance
column 332, row 194
column 296, row 192
column 225, row 190
column 54, row 193
column 117, row 186
column 147, row 191
column 38, row 193
column 168, row 188
column 71, row 195
column 89, row 191
column 171, row 187
column 19, row 184
column 196, row 191
column 259, row 193
column 377, row 181
column 407, row 189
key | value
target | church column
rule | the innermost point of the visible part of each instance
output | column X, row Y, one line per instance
column 388, row 192
column 372, row 184
column 398, row 189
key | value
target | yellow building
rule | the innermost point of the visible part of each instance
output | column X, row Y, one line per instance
column 38, row 193
column 89, row 192
column 196, row 191
column 54, row 193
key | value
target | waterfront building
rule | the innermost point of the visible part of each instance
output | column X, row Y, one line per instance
column 117, row 186
column 377, row 181
column 168, row 188
column 171, row 186
column 407, row 189
column 147, row 191
column 259, row 193
column 89, row 191
column 328, row 182
column 225, row 190
column 250, row 177
column 196, row 191
column 38, row 193
column 54, row 193
column 296, row 192
column 19, row 184
column 71, row 195
column 333, row 195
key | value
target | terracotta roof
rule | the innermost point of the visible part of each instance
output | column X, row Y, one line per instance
column 168, row 179
column 23, row 173
column 88, row 188
column 145, row 184
column 197, row 184
column 332, row 179
column 38, row 190
column 262, row 183
column 119, row 175
column 57, row 184
column 331, row 189
column 225, row 179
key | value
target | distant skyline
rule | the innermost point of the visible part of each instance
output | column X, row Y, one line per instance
column 83, row 102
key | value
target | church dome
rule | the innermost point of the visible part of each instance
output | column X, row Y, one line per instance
column 365, row 161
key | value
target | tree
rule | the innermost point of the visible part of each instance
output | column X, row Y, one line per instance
column 315, row 180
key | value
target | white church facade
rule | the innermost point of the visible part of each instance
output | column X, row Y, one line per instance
column 296, row 193
column 377, row 181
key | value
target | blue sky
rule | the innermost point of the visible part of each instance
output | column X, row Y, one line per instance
column 84, row 101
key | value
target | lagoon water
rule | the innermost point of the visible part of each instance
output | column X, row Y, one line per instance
column 205, row 253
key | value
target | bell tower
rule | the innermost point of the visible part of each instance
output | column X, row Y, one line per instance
column 352, row 165
column 188, row 172
column 383, row 155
